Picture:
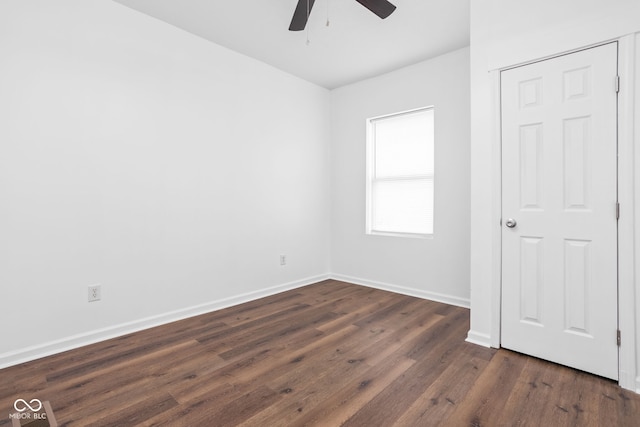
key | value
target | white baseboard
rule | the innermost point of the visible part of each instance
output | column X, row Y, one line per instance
column 478, row 339
column 69, row 343
column 75, row 341
column 627, row 379
column 418, row 293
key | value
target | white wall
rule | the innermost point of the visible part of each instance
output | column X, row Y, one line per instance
column 170, row 170
column 505, row 33
column 436, row 268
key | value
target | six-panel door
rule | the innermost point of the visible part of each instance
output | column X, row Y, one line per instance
column 559, row 185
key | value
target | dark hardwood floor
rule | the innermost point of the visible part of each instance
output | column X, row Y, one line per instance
column 328, row 354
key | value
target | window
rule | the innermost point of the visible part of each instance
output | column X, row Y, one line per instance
column 400, row 166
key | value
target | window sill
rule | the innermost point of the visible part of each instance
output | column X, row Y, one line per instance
column 398, row 234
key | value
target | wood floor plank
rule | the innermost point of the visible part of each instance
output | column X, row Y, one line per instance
column 356, row 312
column 252, row 313
column 259, row 323
column 258, row 368
column 439, row 400
column 345, row 402
column 490, row 392
column 445, row 329
column 395, row 343
column 328, row 354
column 299, row 394
column 274, row 331
column 135, row 414
column 400, row 394
column 280, row 364
column 183, row 330
column 97, row 394
column 533, row 395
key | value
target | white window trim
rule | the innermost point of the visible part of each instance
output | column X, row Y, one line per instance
column 370, row 168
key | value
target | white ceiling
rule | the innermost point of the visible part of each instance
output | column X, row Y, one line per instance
column 356, row 45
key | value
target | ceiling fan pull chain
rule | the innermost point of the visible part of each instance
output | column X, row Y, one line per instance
column 328, row 12
column 307, row 27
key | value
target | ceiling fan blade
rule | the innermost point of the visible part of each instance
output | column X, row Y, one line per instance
column 301, row 15
column 382, row 8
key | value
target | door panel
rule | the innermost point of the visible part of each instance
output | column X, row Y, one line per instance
column 559, row 184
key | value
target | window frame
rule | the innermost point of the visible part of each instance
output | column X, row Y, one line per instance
column 370, row 176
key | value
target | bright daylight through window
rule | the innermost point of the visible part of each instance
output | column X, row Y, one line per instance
column 400, row 173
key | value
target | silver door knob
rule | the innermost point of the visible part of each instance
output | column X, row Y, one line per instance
column 511, row 223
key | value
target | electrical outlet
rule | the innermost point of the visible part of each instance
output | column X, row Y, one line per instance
column 283, row 260
column 94, row 293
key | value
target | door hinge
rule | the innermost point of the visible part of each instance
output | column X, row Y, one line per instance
column 617, row 210
column 619, row 339
column 617, row 84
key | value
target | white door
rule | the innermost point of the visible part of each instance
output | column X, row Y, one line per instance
column 559, row 198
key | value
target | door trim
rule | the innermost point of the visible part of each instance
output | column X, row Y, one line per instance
column 627, row 302
column 627, row 298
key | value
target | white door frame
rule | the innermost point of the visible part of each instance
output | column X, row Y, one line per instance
column 626, row 224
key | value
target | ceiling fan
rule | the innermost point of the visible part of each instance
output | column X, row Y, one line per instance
column 382, row 8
